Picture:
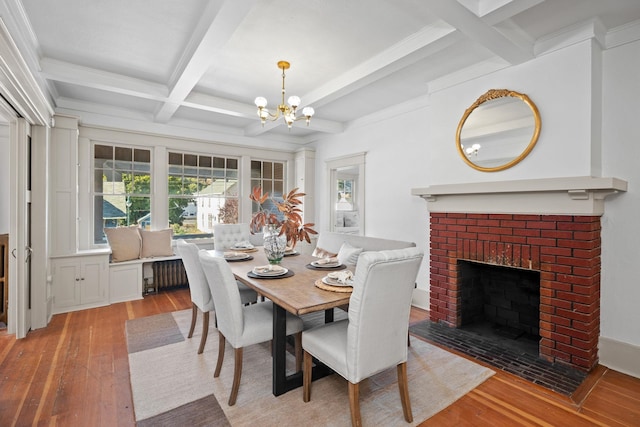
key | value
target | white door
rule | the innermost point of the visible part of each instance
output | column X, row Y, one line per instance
column 20, row 229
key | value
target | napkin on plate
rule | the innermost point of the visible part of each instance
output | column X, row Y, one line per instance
column 229, row 254
column 330, row 260
column 268, row 269
column 343, row 276
column 243, row 244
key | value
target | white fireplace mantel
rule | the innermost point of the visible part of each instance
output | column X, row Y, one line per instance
column 582, row 195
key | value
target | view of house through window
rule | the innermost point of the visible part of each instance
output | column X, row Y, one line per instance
column 270, row 177
column 122, row 188
column 203, row 191
column 345, row 195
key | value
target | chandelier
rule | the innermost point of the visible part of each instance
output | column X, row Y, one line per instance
column 287, row 111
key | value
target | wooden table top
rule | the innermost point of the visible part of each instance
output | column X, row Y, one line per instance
column 296, row 294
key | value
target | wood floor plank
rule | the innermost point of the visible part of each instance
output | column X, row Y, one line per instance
column 616, row 400
column 76, row 372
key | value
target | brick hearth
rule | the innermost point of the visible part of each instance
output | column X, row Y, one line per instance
column 565, row 249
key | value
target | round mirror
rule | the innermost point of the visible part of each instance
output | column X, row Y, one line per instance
column 498, row 130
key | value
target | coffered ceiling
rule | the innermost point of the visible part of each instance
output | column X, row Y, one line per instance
column 196, row 66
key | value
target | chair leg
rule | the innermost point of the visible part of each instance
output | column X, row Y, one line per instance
column 237, row 374
column 403, row 385
column 408, row 340
column 221, row 341
column 194, row 316
column 205, row 331
column 298, row 349
column 354, row 404
column 306, row 377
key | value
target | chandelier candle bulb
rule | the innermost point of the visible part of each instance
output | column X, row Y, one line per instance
column 288, row 111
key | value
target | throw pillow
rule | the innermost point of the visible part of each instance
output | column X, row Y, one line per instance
column 339, row 218
column 156, row 243
column 322, row 253
column 125, row 243
column 348, row 254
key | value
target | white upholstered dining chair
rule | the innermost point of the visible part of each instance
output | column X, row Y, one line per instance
column 201, row 298
column 372, row 339
column 241, row 325
column 226, row 235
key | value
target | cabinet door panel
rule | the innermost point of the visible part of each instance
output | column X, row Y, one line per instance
column 91, row 283
column 65, row 285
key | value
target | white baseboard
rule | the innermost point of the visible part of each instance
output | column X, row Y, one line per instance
column 620, row 356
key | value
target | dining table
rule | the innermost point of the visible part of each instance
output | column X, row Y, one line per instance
column 295, row 292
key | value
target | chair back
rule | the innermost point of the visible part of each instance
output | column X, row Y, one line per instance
column 379, row 310
column 226, row 296
column 226, row 235
column 198, row 286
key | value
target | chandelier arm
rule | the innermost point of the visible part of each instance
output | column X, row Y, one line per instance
column 288, row 112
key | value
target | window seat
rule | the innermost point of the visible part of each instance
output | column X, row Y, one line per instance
column 132, row 279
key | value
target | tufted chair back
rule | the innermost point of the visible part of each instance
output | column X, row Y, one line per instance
column 226, row 235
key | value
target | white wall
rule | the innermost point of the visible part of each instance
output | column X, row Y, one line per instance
column 397, row 151
column 418, row 150
column 620, row 309
column 4, row 179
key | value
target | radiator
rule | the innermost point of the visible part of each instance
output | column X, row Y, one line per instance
column 169, row 274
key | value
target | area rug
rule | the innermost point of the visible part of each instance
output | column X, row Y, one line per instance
column 173, row 385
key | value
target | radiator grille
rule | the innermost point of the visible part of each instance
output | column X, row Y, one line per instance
column 168, row 274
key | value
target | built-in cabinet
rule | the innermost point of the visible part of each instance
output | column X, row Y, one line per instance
column 80, row 281
column 64, row 186
column 125, row 281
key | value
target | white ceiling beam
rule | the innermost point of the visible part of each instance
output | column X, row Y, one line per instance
column 97, row 79
column 221, row 24
column 480, row 32
column 219, row 105
column 316, row 124
column 419, row 45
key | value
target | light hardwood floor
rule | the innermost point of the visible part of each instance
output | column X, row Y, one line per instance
column 75, row 372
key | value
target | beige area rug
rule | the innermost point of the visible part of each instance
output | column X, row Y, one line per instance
column 172, row 384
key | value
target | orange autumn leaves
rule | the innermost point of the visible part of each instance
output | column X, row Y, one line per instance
column 291, row 225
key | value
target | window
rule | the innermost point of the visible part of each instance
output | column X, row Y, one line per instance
column 270, row 177
column 203, row 191
column 345, row 194
column 121, row 189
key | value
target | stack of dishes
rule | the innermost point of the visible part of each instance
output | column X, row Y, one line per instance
column 236, row 256
column 243, row 247
column 339, row 278
column 326, row 263
column 290, row 251
column 269, row 270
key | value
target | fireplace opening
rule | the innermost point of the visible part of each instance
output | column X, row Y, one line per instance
column 501, row 304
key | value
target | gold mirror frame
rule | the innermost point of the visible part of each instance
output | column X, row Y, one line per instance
column 488, row 96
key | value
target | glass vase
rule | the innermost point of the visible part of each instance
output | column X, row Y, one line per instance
column 274, row 244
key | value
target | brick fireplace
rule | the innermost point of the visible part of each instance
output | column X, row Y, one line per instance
column 550, row 226
column 565, row 249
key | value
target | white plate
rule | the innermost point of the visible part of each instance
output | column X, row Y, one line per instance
column 237, row 257
column 291, row 252
column 239, row 248
column 329, row 265
column 266, row 273
column 333, row 282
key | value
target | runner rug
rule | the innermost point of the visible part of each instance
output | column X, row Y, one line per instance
column 173, row 385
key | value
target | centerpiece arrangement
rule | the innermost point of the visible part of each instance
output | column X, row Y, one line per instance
column 282, row 229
